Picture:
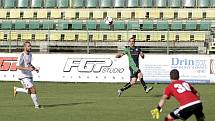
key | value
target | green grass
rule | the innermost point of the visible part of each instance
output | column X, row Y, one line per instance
column 92, row 102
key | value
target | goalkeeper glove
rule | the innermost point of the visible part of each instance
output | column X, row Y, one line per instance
column 156, row 112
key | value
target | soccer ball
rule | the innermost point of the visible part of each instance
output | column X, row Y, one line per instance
column 109, row 20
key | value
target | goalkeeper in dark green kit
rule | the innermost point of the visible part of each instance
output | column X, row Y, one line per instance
column 133, row 52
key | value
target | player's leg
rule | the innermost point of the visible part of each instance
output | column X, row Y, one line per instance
column 140, row 76
column 169, row 118
column 17, row 90
column 199, row 112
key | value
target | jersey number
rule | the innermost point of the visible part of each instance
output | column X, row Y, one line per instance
column 182, row 87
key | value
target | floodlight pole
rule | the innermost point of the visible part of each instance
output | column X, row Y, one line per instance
column 88, row 41
column 167, row 41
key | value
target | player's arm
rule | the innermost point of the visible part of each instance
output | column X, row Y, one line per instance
column 25, row 68
column 35, row 69
column 20, row 64
column 119, row 55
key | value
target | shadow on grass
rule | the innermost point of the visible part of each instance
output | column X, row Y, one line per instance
column 67, row 104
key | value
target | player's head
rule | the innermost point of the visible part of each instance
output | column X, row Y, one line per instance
column 132, row 41
column 174, row 74
column 27, row 46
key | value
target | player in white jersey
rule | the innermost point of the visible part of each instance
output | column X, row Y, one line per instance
column 25, row 74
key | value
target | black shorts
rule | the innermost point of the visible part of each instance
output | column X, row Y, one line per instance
column 134, row 74
column 184, row 114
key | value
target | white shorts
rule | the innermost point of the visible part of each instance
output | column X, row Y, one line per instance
column 27, row 82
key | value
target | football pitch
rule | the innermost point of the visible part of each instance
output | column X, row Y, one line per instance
column 92, row 102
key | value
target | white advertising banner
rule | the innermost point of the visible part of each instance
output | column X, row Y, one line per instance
column 107, row 68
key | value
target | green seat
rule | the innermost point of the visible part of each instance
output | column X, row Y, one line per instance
column 91, row 25
column 146, row 3
column 34, row 25
column 22, row 3
column 48, row 25
column 119, row 3
column 147, row 25
column 62, row 3
column 176, row 25
column 133, row 25
column 162, row 25
column 174, row 3
column 203, row 3
column 50, row 3
column 190, row 25
column 6, row 25
column 36, row 3
column 204, row 25
column 104, row 26
column 63, row 25
column 212, row 3
column 119, row 25
column 77, row 25
column 20, row 25
column 91, row 3
column 78, row 3
column 9, row 3
column 106, row 3
column 133, row 3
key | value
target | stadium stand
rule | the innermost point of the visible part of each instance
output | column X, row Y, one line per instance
column 185, row 25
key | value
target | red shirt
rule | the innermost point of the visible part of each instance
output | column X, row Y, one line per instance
column 182, row 91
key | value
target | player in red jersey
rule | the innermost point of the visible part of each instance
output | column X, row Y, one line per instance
column 187, row 97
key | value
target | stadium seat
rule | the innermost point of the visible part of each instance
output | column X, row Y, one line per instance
column 160, row 3
column 91, row 25
column 199, row 37
column 104, row 26
column 133, row 25
column 210, row 14
column 141, row 36
column 119, row 25
column 6, row 25
column 133, row 3
column 168, row 14
column 13, row 36
column 176, row 25
column 48, row 25
column 36, row 3
column 3, row 14
column 22, row 3
column 55, row 36
column 34, row 25
column 26, row 36
column 62, row 25
column 212, row 3
column 77, row 25
column 146, row 3
column 1, row 35
column 49, row 3
column 140, row 14
column 69, row 36
column 190, row 25
column 155, row 36
column 123, row 36
column 98, row 15
column 189, row 3
column 197, row 14
column 174, row 3
column 162, row 25
column 112, row 13
column 14, row 13
column 83, row 36
column 20, row 25
column 78, row 3
column 9, row 3
column 182, row 14
column 154, row 14
column 69, row 14
column 184, row 36
column 84, row 14
column 126, row 14
column 55, row 14
column 105, row 3
column 119, row 3
column 28, row 14
column 96, row 36
column 91, row 3
column 147, row 25
column 171, row 36
column 204, row 25
column 203, row 3
column 111, row 37
column 40, row 36
column 62, row 3
column 42, row 14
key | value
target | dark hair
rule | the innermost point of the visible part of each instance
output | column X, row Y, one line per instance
column 174, row 74
column 132, row 38
column 26, row 43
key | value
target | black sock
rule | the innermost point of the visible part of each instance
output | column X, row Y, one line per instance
column 127, row 85
column 143, row 83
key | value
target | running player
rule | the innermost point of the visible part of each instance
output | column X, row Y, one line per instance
column 25, row 74
column 187, row 97
column 133, row 52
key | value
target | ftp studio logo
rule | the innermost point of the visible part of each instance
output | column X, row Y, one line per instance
column 87, row 64
column 8, row 63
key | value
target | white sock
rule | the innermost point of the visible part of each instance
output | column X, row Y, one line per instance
column 22, row 90
column 34, row 99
